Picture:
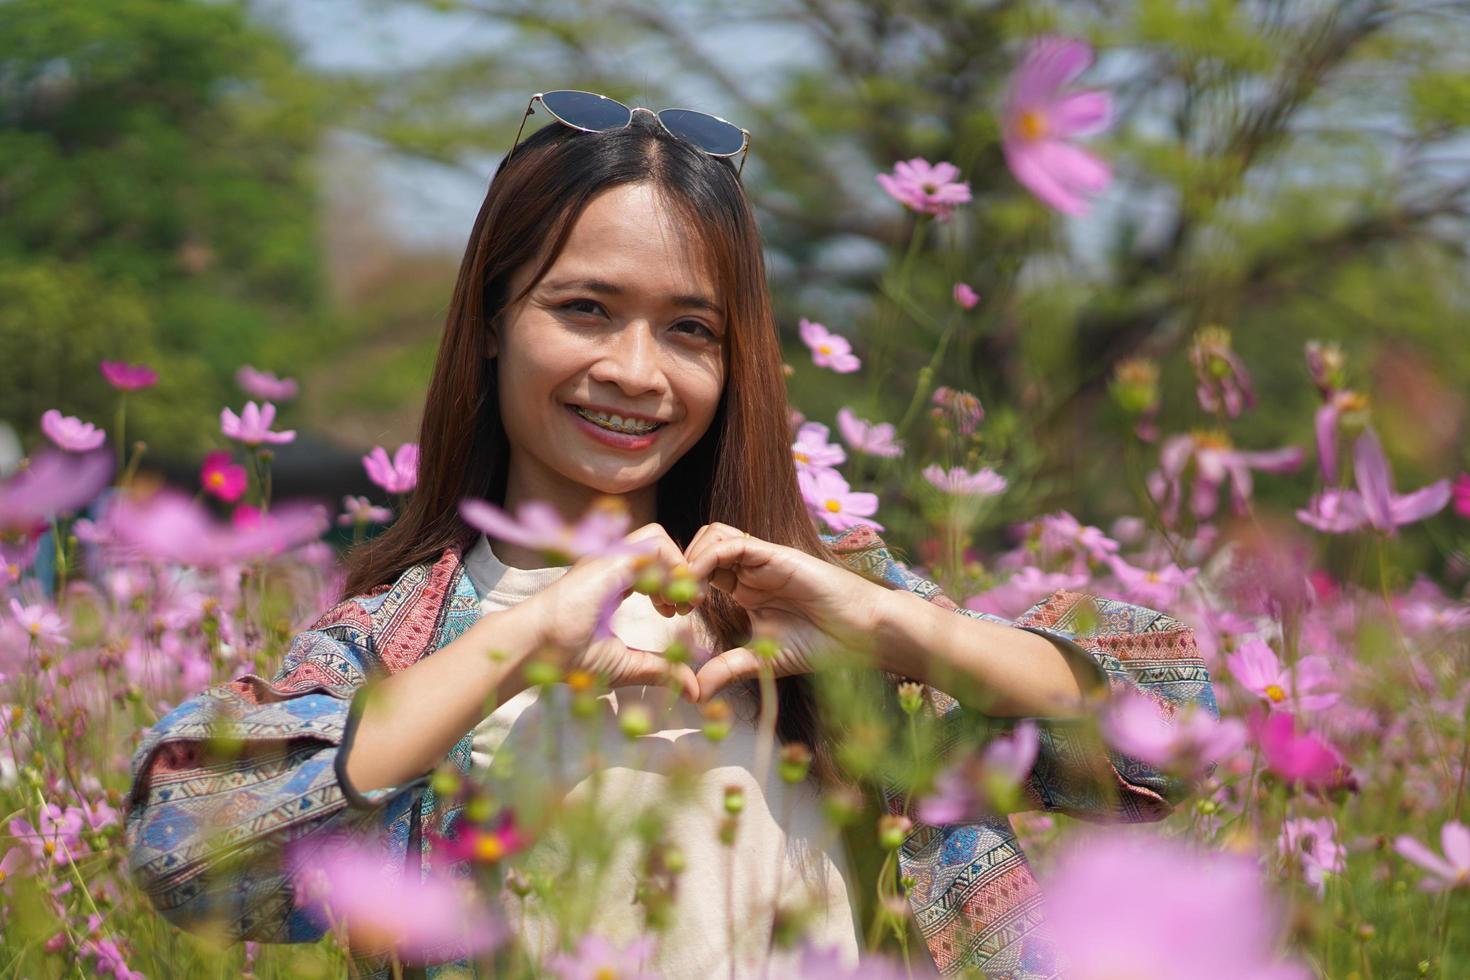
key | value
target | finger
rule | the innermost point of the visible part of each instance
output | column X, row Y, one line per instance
column 727, row 553
column 735, row 664
column 663, row 548
column 712, row 536
column 647, row 667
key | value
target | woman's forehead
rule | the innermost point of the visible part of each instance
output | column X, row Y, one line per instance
column 631, row 236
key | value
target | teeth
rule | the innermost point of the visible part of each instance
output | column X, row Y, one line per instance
column 617, row 422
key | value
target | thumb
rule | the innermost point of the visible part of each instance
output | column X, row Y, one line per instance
column 722, row 670
column 647, row 667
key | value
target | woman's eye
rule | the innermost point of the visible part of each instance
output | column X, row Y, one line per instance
column 576, row 302
column 699, row 326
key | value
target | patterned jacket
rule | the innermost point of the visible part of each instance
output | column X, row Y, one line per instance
column 230, row 776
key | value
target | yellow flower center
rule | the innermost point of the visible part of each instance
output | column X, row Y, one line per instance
column 824, row 348
column 1032, row 125
column 580, row 680
column 1275, row 692
column 833, row 505
column 606, row 973
column 488, row 848
column 801, row 457
column 1152, row 576
column 216, row 479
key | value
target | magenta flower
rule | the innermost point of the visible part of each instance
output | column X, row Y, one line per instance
column 1215, row 460
column 1038, row 120
column 360, row 510
column 597, row 959
column 1313, row 845
column 222, row 477
column 71, row 433
column 1460, row 491
column 1306, row 687
column 485, row 843
column 537, row 525
column 399, row 475
column 812, row 450
column 1450, row 871
column 829, row 350
column 965, row 296
column 829, row 496
column 1154, row 908
column 866, row 437
column 962, row 409
column 1158, row 587
column 253, row 425
column 1220, row 375
column 171, row 527
column 957, row 480
column 351, row 887
column 54, row 483
column 1375, row 503
column 128, row 377
column 40, row 622
column 264, row 385
column 1297, row 758
column 984, row 784
column 926, row 188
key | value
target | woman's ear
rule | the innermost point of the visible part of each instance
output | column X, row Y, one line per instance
column 492, row 338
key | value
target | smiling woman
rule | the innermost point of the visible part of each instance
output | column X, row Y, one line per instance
column 611, row 337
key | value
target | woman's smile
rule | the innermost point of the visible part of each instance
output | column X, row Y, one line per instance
column 608, row 431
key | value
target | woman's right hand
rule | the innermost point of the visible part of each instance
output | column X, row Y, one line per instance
column 569, row 610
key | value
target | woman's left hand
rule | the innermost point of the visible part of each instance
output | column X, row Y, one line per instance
column 803, row 603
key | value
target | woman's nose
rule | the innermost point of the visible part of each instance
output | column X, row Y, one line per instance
column 631, row 360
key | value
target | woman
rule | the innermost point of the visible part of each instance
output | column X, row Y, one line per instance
column 620, row 273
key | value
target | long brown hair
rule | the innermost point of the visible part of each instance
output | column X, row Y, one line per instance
column 740, row 473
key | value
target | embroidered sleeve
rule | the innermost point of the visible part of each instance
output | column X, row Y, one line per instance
column 226, row 780
column 1129, row 648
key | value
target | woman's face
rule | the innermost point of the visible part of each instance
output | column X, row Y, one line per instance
column 627, row 323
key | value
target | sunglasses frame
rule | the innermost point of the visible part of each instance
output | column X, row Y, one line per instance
column 531, row 107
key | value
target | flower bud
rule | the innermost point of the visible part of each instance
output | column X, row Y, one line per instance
column 893, row 828
column 734, row 800
column 796, row 761
column 1135, row 385
column 681, row 588
column 634, row 721
column 445, row 782
column 910, row 697
column 539, row 673
column 716, row 720
column 765, row 648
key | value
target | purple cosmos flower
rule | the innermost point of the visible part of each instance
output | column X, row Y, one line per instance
column 1149, row 907
column 222, row 477
column 1038, row 119
column 829, row 350
column 351, row 886
column 1305, row 687
column 866, row 437
column 812, row 450
column 171, row 527
column 1450, row 871
column 253, row 425
column 829, row 496
column 537, row 525
column 399, row 475
column 926, row 188
column 984, row 482
column 128, row 377
column 39, row 622
column 360, row 510
column 71, row 433
column 1220, row 374
column 264, row 385
column 962, row 409
column 597, row 959
column 1374, row 503
column 965, row 296
column 1313, row 844
column 1215, row 460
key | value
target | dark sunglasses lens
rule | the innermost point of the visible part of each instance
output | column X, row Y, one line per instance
column 587, row 110
column 703, row 130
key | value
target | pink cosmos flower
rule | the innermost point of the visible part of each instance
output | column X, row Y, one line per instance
column 1215, row 460
column 1188, row 742
column 812, row 450
column 1038, row 119
column 537, row 525
column 1339, row 403
column 1158, row 587
column 399, row 475
column 1063, row 536
column 264, row 385
column 828, row 963
column 960, row 408
column 1374, row 503
column 54, row 483
column 1303, row 758
column 57, row 839
column 40, row 622
column 171, row 527
column 1150, row 907
column 984, row 482
column 1313, row 844
column 360, row 510
column 1307, row 687
column 485, row 844
column 110, row 959
column 965, row 296
column 926, row 188
column 253, row 425
column 1023, row 590
column 223, row 477
column 1220, row 374
column 829, row 350
column 866, row 437
column 986, row 783
column 829, row 496
column 128, row 377
column 597, row 959
column 71, row 433
column 1461, row 493
column 352, row 887
column 1450, row 871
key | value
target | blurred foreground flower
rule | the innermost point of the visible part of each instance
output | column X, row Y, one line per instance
column 1216, row 460
column 817, row 963
column 253, row 425
column 926, row 188
column 264, row 385
column 1222, row 382
column 984, row 784
column 538, row 526
column 1374, row 503
column 1152, row 908
column 169, row 526
column 398, row 475
column 597, row 959
column 965, row 296
column 957, row 480
column 1038, row 120
column 71, row 433
column 1312, row 845
column 1450, row 871
column 349, row 887
column 53, row 483
column 1188, row 744
column 875, row 439
column 128, row 377
column 1461, row 492
column 39, row 621
column 961, row 409
column 829, row 350
column 361, row 510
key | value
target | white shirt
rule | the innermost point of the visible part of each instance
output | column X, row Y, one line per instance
column 784, row 854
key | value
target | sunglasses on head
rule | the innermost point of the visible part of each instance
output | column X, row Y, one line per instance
column 593, row 113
